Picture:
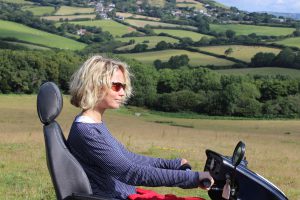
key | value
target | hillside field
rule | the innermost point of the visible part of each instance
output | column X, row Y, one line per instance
column 190, row 4
column 291, row 42
column 269, row 150
column 69, row 17
column 151, row 41
column 115, row 28
column 242, row 29
column 159, row 3
column 182, row 33
column 196, row 59
column 25, row 33
column 272, row 71
column 68, row 10
column 39, row 10
column 143, row 23
column 18, row 1
column 127, row 15
column 30, row 46
column 240, row 52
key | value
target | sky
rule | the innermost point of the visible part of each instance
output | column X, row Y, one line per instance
column 286, row 6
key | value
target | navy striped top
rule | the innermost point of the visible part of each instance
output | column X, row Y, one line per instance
column 114, row 171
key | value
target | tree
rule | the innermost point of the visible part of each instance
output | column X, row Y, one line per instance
column 241, row 99
column 178, row 61
column 144, row 83
column 202, row 23
column 139, row 48
column 230, row 34
column 285, row 58
column 228, row 51
column 168, row 81
column 162, row 45
column 262, row 59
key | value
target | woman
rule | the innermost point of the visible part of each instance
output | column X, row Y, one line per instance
column 113, row 171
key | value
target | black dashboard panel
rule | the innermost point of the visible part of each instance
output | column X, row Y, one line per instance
column 247, row 184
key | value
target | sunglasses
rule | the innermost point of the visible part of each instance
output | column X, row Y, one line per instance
column 116, row 86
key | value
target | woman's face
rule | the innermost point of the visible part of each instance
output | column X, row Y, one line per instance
column 114, row 97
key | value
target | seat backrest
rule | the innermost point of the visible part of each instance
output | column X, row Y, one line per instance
column 67, row 175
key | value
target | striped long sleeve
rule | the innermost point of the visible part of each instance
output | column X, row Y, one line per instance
column 114, row 171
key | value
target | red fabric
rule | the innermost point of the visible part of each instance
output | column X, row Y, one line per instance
column 143, row 194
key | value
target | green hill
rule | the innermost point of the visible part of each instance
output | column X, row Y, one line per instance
column 25, row 33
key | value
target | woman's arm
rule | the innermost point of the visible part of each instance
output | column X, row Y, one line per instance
column 108, row 157
column 151, row 161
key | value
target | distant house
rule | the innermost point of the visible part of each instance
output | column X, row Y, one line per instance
column 81, row 31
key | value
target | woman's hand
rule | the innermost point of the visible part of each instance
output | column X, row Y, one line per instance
column 184, row 165
column 206, row 180
column 183, row 161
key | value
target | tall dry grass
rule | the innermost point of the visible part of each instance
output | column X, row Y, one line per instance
column 271, row 146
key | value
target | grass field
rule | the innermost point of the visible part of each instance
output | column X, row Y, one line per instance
column 115, row 28
column 126, row 15
column 291, row 42
column 69, row 17
column 39, row 10
column 196, row 59
column 240, row 52
column 242, row 29
column 263, row 71
column 143, row 23
column 30, row 46
column 151, row 41
column 18, row 1
column 68, row 10
column 25, row 33
column 269, row 150
column 182, row 33
column 159, row 3
column 189, row 4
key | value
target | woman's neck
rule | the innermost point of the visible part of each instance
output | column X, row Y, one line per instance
column 93, row 114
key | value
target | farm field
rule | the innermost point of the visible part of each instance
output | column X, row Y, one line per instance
column 69, row 17
column 68, row 10
column 240, row 52
column 24, row 173
column 182, row 33
column 18, row 1
column 196, row 59
column 143, row 23
column 160, row 3
column 151, row 41
column 39, row 10
column 30, row 46
column 273, row 71
column 189, row 4
column 115, row 28
column 126, row 15
column 25, row 33
column 292, row 42
column 242, row 29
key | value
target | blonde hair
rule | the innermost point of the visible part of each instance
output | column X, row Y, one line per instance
column 90, row 82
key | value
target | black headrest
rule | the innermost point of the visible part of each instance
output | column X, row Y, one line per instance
column 49, row 102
